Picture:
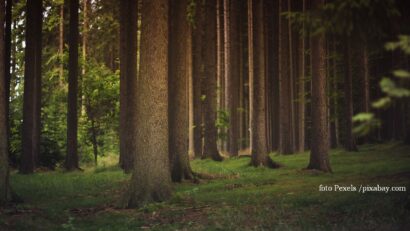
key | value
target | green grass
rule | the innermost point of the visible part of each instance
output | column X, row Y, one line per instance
column 245, row 198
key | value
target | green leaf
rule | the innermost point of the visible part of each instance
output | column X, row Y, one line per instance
column 401, row 74
column 382, row 103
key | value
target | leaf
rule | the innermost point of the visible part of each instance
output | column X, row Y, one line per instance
column 401, row 74
column 382, row 103
column 362, row 117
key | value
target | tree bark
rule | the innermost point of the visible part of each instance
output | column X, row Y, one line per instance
column 209, row 86
column 61, row 45
column 32, row 88
column 197, row 72
column 232, row 44
column 319, row 157
column 128, row 77
column 180, row 39
column 4, row 150
column 151, row 179
column 72, row 116
column 350, row 140
column 286, row 141
column 257, row 85
column 301, row 89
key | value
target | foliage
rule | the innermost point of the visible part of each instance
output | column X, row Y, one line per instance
column 393, row 90
column 222, row 123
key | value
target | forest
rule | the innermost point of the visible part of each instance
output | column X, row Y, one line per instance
column 204, row 115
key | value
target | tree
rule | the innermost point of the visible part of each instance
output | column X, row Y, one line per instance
column 32, row 88
column 72, row 117
column 180, row 38
column 197, row 75
column 232, row 69
column 128, row 75
column 209, row 83
column 4, row 150
column 319, row 156
column 257, row 85
column 286, row 141
column 350, row 140
column 151, row 180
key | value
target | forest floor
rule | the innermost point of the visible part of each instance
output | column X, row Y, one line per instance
column 241, row 198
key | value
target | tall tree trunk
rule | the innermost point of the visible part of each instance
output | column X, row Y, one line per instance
column 128, row 77
column 319, row 157
column 350, row 140
column 274, row 85
column 32, row 88
column 301, row 89
column 7, row 61
column 257, row 85
column 72, row 117
column 209, row 86
column 180, row 38
column 86, row 9
column 197, row 74
column 335, row 98
column 364, row 56
column 232, row 74
column 286, row 141
column 151, row 179
column 4, row 150
column 220, row 62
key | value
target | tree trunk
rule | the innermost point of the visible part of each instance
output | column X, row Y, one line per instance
column 179, row 40
column 286, row 141
column 94, row 141
column 257, row 85
column 220, row 63
column 301, row 89
column 350, row 140
column 319, row 157
column 151, row 179
column 336, row 98
column 7, row 60
column 128, row 77
column 197, row 74
column 209, row 86
column 4, row 150
column 232, row 74
column 365, row 81
column 32, row 88
column 72, row 117
column 86, row 6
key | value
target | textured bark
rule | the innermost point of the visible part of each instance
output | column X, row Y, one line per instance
column 209, row 86
column 128, row 77
column 151, row 179
column 32, row 88
column 4, row 164
column 232, row 75
column 274, row 85
column 257, row 85
column 220, row 66
column 72, row 116
column 197, row 72
column 7, row 61
column 335, row 99
column 286, row 141
column 319, row 156
column 180, row 39
column 350, row 140
column 301, row 90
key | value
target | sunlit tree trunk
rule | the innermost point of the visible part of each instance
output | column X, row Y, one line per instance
column 257, row 85
column 301, row 90
column 61, row 45
column 209, row 84
column 32, row 88
column 72, row 116
column 319, row 156
column 179, row 40
column 128, row 77
column 151, row 178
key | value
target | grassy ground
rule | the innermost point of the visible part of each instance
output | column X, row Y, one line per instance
column 244, row 199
